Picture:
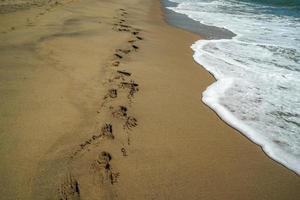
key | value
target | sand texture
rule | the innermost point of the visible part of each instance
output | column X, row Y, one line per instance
column 101, row 99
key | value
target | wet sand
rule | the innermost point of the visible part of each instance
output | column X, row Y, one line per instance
column 102, row 100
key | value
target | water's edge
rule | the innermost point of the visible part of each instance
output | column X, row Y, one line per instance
column 182, row 21
column 215, row 33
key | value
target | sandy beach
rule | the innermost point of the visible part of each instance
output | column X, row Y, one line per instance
column 102, row 100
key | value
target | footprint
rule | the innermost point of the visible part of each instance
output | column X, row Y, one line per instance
column 135, row 47
column 123, row 29
column 130, row 123
column 116, row 77
column 69, row 189
column 132, row 86
column 116, row 63
column 120, row 112
column 125, row 51
column 118, row 56
column 112, row 93
column 107, row 131
column 103, row 159
column 124, row 26
column 124, row 73
column 103, row 165
column 139, row 38
column 129, row 84
column 124, row 14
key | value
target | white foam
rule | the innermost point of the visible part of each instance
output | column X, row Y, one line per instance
column 258, row 73
column 211, row 98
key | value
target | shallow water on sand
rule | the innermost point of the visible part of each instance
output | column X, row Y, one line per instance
column 258, row 87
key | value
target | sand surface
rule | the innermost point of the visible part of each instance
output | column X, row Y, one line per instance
column 102, row 100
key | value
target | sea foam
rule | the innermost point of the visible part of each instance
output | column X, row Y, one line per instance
column 258, row 72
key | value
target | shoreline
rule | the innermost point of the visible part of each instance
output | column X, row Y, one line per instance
column 211, row 97
column 113, row 120
column 184, row 22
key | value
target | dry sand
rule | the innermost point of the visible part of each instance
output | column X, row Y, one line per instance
column 73, row 127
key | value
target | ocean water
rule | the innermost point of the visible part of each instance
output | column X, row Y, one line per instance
column 258, row 71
